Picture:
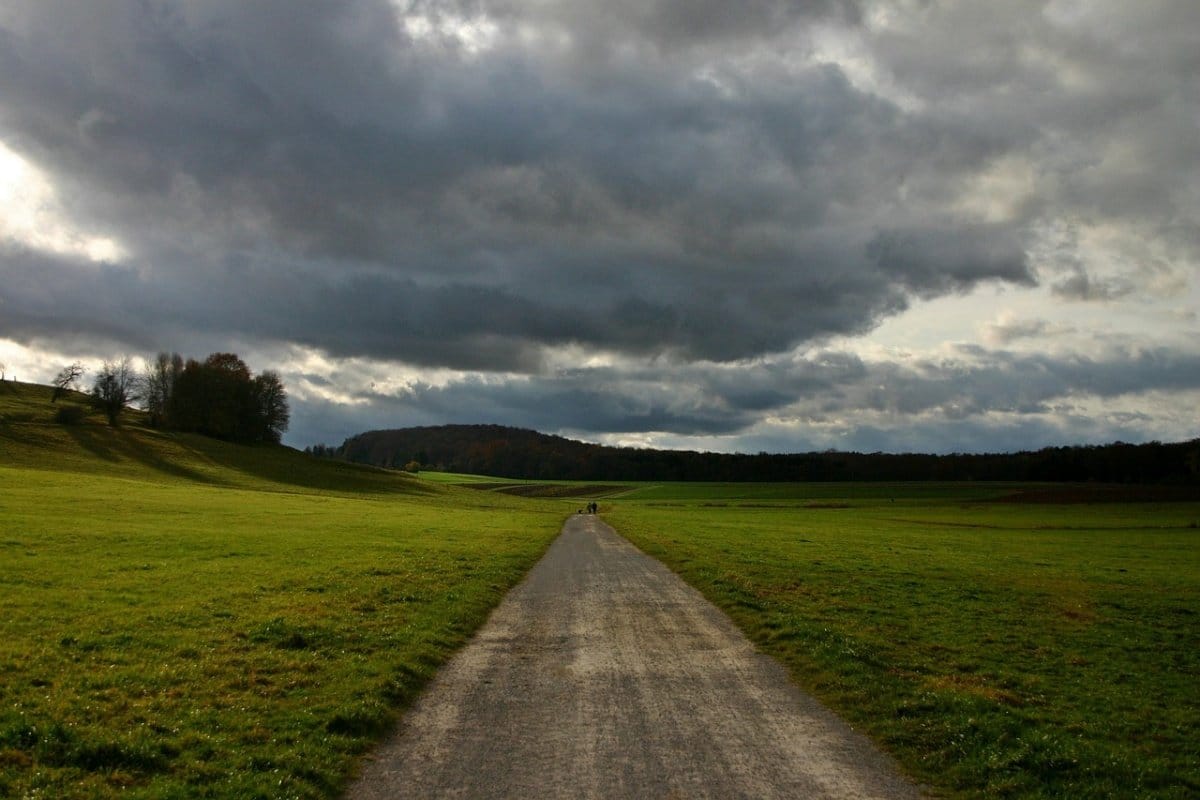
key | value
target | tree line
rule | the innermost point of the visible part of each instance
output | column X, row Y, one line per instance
column 217, row 397
column 528, row 455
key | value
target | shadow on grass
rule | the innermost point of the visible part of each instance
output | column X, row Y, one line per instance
column 289, row 468
column 115, row 445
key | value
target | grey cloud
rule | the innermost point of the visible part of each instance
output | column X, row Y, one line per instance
column 924, row 402
column 554, row 405
column 1009, row 331
column 416, row 204
column 682, row 184
column 1082, row 286
column 666, row 27
column 1100, row 99
column 935, row 261
column 970, row 435
column 999, row 381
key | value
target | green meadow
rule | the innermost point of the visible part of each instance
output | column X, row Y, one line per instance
column 996, row 648
column 186, row 618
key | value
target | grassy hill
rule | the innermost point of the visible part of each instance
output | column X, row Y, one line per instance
column 189, row 618
column 30, row 437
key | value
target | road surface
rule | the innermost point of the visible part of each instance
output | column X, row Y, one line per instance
column 603, row 675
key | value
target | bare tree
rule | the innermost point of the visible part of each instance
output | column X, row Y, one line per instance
column 66, row 380
column 158, row 386
column 115, row 387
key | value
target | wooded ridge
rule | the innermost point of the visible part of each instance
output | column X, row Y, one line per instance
column 525, row 454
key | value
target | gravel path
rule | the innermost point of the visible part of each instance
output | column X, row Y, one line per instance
column 603, row 675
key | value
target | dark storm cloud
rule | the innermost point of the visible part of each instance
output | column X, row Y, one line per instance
column 407, row 201
column 934, row 262
column 1099, row 95
column 687, row 186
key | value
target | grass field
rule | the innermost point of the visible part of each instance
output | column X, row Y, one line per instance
column 997, row 649
column 185, row 618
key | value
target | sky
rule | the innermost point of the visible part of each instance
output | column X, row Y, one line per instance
column 757, row 226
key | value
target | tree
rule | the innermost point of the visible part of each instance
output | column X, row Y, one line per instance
column 66, row 379
column 3, row 367
column 227, row 381
column 210, row 396
column 270, row 414
column 115, row 387
column 219, row 397
column 158, row 387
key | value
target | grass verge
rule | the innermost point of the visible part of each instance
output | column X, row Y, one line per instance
column 1000, row 650
column 184, row 618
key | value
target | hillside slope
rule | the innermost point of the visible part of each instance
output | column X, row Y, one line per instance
column 31, row 437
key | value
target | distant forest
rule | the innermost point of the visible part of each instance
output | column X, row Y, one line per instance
column 524, row 454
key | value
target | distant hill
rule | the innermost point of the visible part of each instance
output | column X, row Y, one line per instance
column 525, row 454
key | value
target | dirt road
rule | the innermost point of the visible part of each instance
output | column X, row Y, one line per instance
column 603, row 675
